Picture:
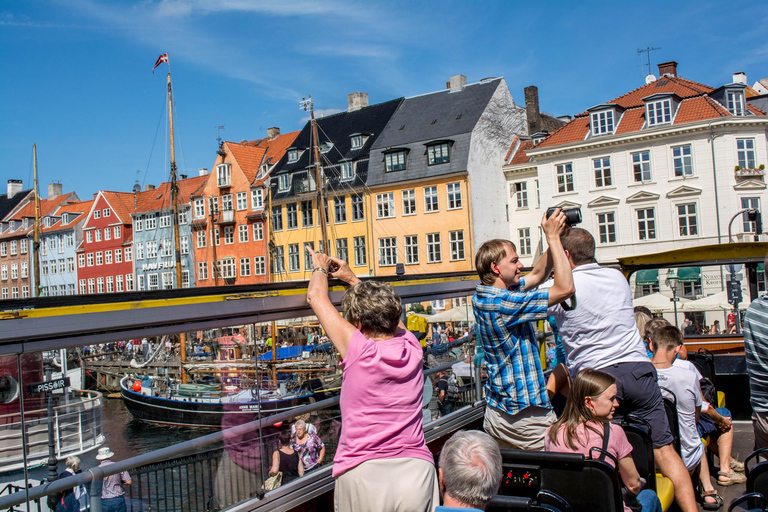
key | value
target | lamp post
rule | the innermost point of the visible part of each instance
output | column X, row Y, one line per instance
column 672, row 283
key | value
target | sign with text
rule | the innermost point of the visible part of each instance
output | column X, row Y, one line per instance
column 47, row 386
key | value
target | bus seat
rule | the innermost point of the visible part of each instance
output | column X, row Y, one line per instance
column 638, row 433
column 757, row 475
column 720, row 399
column 501, row 503
column 670, row 407
column 754, row 500
column 665, row 490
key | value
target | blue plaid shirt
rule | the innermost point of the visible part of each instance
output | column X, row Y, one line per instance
column 515, row 379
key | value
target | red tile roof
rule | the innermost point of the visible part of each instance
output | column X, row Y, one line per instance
column 520, row 156
column 160, row 197
column 276, row 147
column 666, row 84
column 80, row 207
column 121, row 203
column 249, row 158
column 47, row 207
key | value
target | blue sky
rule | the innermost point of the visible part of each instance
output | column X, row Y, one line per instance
column 77, row 75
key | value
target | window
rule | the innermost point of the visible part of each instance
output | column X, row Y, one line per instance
column 306, row 213
column 4, row 249
column 430, row 199
column 357, row 141
column 606, row 226
column 454, row 196
column 411, row 249
column 25, row 291
column 293, row 155
column 116, row 231
column 107, row 212
column 5, row 293
column 129, row 282
column 4, row 272
column 347, row 170
column 276, row 263
column 128, row 254
column 749, row 202
column 138, row 223
column 96, row 233
column 90, row 259
column 387, row 251
column 245, row 267
column 229, row 235
column 227, row 268
column 139, row 250
column 23, row 243
column 602, row 122
column 223, row 172
column 81, row 260
column 140, row 282
column 213, row 205
column 646, row 224
column 682, row 160
column 44, row 268
column 200, row 208
column 745, row 152
column 242, row 233
column 438, row 154
column 150, row 221
column 242, row 201
column 183, row 217
column 602, row 168
column 692, row 288
column 357, row 207
column 564, row 173
column 259, row 268
column 15, row 269
column 71, row 239
column 395, row 161
column 97, row 214
column 641, row 166
column 520, row 190
column 283, row 183
column 524, row 235
column 658, row 112
column 51, row 244
column 100, row 284
column 385, row 205
column 15, row 292
column 153, row 282
column 107, row 236
column 216, row 236
column 342, row 249
column 201, row 238
column 118, row 256
column 99, row 258
column 360, row 253
column 202, row 270
column 91, row 286
column 108, row 257
column 433, row 248
column 165, row 220
column 277, row 218
column 110, row 284
column 340, row 209
column 293, row 257
column 89, row 236
column 119, row 283
column 409, row 202
column 257, row 199
column 258, row 231
column 686, row 218
column 735, row 101
column 25, row 269
column 226, row 202
column 151, row 249
column 166, row 248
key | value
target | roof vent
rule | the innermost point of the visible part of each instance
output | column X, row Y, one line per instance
column 668, row 68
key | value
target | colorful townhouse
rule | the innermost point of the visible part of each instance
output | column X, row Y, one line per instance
column 105, row 256
column 228, row 212
column 60, row 236
column 154, row 245
column 344, row 145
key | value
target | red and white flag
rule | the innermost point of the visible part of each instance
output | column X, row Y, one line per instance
column 160, row 60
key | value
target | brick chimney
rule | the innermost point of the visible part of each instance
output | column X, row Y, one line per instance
column 532, row 113
column 740, row 77
column 273, row 132
column 668, row 68
column 202, row 171
column 357, row 100
column 14, row 187
column 54, row 190
column 457, row 83
column 149, row 187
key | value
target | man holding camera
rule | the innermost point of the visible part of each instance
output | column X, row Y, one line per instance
column 598, row 331
column 505, row 304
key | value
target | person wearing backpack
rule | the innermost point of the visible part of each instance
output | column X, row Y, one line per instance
column 447, row 392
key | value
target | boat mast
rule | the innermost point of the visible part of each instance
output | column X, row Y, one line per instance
column 318, row 176
column 175, row 220
column 36, row 229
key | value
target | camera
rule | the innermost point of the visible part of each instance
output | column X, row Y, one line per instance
column 572, row 215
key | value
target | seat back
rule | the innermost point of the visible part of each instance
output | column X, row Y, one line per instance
column 670, row 407
column 638, row 433
column 757, row 475
column 705, row 362
column 584, row 483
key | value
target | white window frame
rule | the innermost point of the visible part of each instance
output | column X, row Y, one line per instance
column 642, row 165
column 602, row 122
column 202, row 270
column 224, row 175
column 456, row 239
column 259, row 266
column 524, row 239
column 257, row 199
column 687, row 219
column 245, row 267
column 241, row 201
column 242, row 233
column 453, row 193
column 357, row 204
column 520, row 191
column 200, row 208
column 606, row 227
column 258, row 231
column 434, row 249
column 358, row 246
column 293, row 258
column 388, row 251
column 347, row 170
column 745, row 153
column 658, row 112
column 564, row 178
column 431, row 199
column 411, row 245
column 385, row 205
column 682, row 158
column 646, row 224
column 340, row 209
column 601, row 168
column 283, row 182
column 409, row 202
column 735, row 103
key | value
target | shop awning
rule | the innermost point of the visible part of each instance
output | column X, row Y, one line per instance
column 649, row 276
column 689, row 274
column 760, row 268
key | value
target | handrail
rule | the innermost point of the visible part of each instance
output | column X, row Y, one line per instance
column 98, row 396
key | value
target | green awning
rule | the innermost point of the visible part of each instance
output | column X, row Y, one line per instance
column 760, row 268
column 649, row 276
column 689, row 274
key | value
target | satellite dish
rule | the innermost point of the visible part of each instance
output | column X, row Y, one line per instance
column 650, row 78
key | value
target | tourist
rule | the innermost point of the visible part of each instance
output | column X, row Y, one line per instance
column 286, row 460
column 112, row 492
column 447, row 392
column 600, row 333
column 470, row 471
column 309, row 445
column 585, row 423
column 519, row 411
column 756, row 350
column 715, row 327
column 382, row 461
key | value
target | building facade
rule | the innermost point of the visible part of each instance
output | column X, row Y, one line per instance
column 60, row 236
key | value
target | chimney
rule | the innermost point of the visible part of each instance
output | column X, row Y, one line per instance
column 54, row 190
column 357, row 100
column 457, row 83
column 273, row 132
column 182, row 176
column 14, row 187
column 532, row 109
column 202, row 171
column 149, row 187
column 740, row 77
column 668, row 68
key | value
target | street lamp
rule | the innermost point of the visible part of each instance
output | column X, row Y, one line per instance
column 753, row 215
column 672, row 283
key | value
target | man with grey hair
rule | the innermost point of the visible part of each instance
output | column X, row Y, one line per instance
column 470, row 471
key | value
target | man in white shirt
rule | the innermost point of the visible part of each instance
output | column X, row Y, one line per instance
column 598, row 331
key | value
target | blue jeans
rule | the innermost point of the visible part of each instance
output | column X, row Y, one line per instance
column 113, row 504
column 649, row 501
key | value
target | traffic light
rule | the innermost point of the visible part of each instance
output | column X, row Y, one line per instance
column 754, row 216
column 734, row 292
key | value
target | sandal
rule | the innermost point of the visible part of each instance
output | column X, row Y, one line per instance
column 737, row 466
column 733, row 478
column 711, row 506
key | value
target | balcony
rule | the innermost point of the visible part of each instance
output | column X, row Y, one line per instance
column 226, row 217
column 749, row 173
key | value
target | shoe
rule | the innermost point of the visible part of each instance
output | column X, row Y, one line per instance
column 711, row 506
column 737, row 466
column 733, row 478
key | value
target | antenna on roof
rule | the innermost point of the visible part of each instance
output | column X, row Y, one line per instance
column 648, row 50
column 218, row 134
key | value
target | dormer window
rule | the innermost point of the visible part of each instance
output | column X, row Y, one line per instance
column 602, row 122
column 438, row 153
column 735, row 102
column 283, row 182
column 223, row 175
column 27, row 223
column 47, row 222
column 395, row 160
column 293, row 155
column 357, row 141
column 347, row 170
column 326, row 147
column 658, row 112
column 263, row 170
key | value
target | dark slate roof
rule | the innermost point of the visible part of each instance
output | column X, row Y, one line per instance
column 7, row 205
column 337, row 129
column 438, row 116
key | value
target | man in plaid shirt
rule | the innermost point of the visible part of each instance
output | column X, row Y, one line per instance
column 518, row 412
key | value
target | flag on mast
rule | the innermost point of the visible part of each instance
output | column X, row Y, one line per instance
column 160, row 60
